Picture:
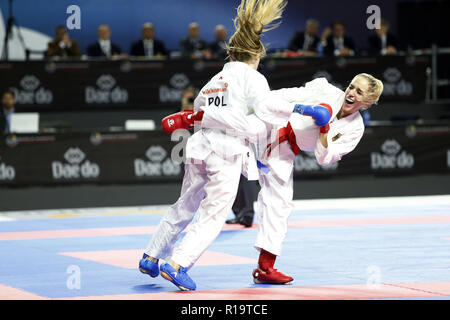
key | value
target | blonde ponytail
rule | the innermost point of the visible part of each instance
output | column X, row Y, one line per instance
column 253, row 18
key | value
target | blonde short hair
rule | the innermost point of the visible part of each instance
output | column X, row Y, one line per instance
column 375, row 88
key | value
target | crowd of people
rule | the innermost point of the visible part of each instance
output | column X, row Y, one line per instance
column 333, row 41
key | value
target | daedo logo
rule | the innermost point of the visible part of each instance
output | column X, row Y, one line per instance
column 391, row 157
column 76, row 167
column 178, row 82
column 395, row 84
column 306, row 162
column 7, row 173
column 157, row 166
column 105, row 91
column 31, row 91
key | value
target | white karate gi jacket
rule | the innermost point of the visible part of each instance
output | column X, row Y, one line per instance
column 227, row 99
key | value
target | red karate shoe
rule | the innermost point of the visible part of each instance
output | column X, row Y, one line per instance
column 270, row 276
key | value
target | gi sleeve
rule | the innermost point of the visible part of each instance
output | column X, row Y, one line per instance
column 248, row 126
column 339, row 144
column 267, row 107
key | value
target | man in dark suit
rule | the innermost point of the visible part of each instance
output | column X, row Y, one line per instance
column 62, row 46
column 306, row 42
column 193, row 46
column 148, row 46
column 219, row 46
column 382, row 42
column 103, row 47
column 335, row 42
column 8, row 102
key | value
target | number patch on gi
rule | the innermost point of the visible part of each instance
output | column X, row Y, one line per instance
column 217, row 94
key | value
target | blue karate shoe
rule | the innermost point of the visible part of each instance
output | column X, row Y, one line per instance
column 148, row 267
column 180, row 278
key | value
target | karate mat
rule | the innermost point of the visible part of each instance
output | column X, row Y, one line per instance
column 361, row 248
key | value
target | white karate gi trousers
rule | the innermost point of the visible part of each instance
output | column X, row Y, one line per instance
column 275, row 201
column 209, row 189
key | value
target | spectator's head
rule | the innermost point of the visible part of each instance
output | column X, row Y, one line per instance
column 220, row 32
column 338, row 29
column 148, row 31
column 188, row 97
column 384, row 28
column 363, row 91
column 193, row 30
column 60, row 31
column 8, row 99
column 104, row 33
column 312, row 27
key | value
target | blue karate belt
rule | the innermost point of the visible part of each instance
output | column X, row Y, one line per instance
column 262, row 167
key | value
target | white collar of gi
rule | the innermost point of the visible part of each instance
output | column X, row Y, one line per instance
column 235, row 64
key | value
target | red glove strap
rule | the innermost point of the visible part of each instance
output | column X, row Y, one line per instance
column 197, row 116
column 325, row 128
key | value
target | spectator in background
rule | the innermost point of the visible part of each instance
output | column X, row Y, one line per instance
column 382, row 42
column 8, row 102
column 305, row 42
column 335, row 42
column 218, row 48
column 148, row 46
column 193, row 46
column 187, row 99
column 62, row 46
column 103, row 47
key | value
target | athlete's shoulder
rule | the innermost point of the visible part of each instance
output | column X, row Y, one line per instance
column 322, row 84
column 357, row 122
column 242, row 68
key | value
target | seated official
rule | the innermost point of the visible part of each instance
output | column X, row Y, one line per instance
column 305, row 42
column 103, row 47
column 382, row 42
column 62, row 46
column 193, row 46
column 218, row 47
column 336, row 43
column 148, row 46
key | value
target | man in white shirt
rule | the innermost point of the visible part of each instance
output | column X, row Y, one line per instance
column 382, row 42
column 306, row 42
column 218, row 47
column 335, row 42
column 148, row 46
column 103, row 47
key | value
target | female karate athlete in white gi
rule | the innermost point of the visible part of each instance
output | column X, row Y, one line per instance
column 329, row 144
column 215, row 158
